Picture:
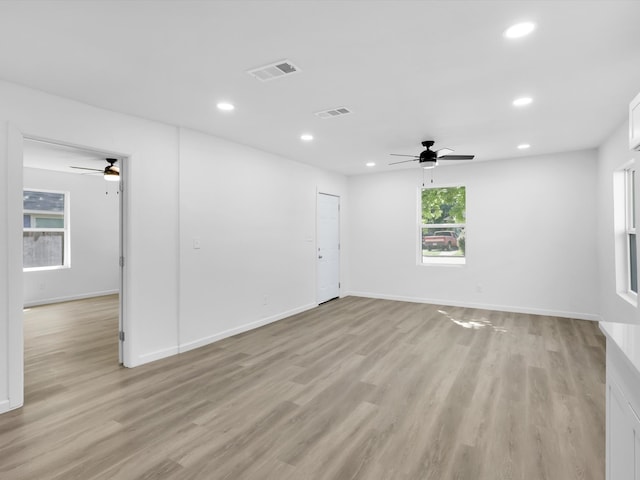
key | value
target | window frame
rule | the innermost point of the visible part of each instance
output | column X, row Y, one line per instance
column 65, row 230
column 455, row 261
column 630, row 224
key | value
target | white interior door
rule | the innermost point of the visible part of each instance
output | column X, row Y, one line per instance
column 328, row 246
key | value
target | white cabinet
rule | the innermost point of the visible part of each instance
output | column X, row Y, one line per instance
column 623, row 432
column 623, row 422
column 634, row 123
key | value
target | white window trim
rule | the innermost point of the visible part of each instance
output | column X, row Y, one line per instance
column 630, row 223
column 621, row 221
column 438, row 261
column 66, row 230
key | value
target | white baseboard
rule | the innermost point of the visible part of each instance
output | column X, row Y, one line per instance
column 201, row 342
column 153, row 356
column 482, row 306
column 48, row 301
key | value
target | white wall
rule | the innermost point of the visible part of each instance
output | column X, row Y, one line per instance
column 151, row 185
column 93, row 238
column 530, row 236
column 254, row 215
column 612, row 155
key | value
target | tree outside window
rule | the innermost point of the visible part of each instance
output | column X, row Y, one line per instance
column 442, row 232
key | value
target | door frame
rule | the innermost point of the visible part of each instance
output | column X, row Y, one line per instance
column 318, row 193
column 15, row 300
column 122, row 203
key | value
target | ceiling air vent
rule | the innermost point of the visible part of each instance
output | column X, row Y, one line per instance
column 274, row 70
column 334, row 112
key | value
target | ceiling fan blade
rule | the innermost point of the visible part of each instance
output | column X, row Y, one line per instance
column 456, row 157
column 401, row 155
column 404, row 161
column 443, row 151
column 84, row 168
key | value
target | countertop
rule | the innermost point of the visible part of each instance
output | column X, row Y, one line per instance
column 627, row 338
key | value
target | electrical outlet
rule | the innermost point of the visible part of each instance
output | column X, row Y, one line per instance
column 479, row 288
column 265, row 300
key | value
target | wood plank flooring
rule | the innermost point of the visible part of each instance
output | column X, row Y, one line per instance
column 354, row 389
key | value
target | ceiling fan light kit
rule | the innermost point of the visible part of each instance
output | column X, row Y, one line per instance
column 111, row 171
column 111, row 176
column 427, row 164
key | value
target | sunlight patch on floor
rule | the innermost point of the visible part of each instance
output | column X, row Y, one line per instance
column 475, row 324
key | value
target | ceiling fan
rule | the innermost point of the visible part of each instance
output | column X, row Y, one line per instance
column 111, row 172
column 429, row 158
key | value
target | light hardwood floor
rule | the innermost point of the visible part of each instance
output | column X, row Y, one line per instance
column 355, row 389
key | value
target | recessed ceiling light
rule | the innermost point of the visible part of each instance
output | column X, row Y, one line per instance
column 522, row 101
column 371, row 164
column 519, row 30
column 225, row 106
column 523, row 146
column 307, row 137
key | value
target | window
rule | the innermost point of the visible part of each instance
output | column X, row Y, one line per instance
column 630, row 229
column 442, row 228
column 45, row 229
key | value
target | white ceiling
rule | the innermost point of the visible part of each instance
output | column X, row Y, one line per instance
column 409, row 70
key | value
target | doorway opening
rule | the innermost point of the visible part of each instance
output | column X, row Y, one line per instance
column 72, row 268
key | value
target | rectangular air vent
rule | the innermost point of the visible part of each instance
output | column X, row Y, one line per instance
column 274, row 70
column 334, row 112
